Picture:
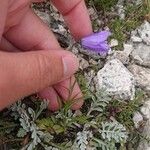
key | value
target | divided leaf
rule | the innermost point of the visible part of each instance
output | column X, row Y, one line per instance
column 113, row 131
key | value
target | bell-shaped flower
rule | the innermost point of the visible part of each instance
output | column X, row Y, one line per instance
column 97, row 42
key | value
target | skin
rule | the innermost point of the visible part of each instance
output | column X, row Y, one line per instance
column 31, row 60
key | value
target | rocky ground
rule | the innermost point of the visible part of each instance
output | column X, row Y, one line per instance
column 122, row 75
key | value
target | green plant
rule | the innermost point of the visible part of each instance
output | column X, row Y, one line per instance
column 113, row 131
column 82, row 139
column 124, row 111
column 103, row 145
column 27, row 117
column 134, row 16
column 105, row 5
column 69, row 130
column 79, row 131
column 102, row 124
column 83, row 85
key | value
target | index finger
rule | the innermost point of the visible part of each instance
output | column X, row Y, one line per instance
column 76, row 16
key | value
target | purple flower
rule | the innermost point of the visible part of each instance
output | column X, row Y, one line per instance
column 97, row 42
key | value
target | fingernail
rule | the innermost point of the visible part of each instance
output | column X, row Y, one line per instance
column 71, row 64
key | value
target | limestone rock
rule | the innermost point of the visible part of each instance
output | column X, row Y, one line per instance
column 45, row 17
column 120, row 55
column 83, row 63
column 113, row 43
column 142, row 76
column 144, row 32
column 136, row 39
column 116, row 79
column 120, row 9
column 141, row 54
column 137, row 119
column 144, row 145
column 145, row 110
column 128, row 48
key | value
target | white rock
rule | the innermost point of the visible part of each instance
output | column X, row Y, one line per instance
column 60, row 29
column 137, row 119
column 120, row 55
column 120, row 9
column 116, row 79
column 93, row 62
column 136, row 39
column 134, row 33
column 123, row 56
column 141, row 54
column 138, row 2
column 144, row 32
column 92, row 54
column 89, row 76
column 128, row 48
column 113, row 43
column 74, row 50
column 144, row 145
column 142, row 76
column 145, row 109
column 92, row 13
column 83, row 63
column 45, row 17
column 55, row 14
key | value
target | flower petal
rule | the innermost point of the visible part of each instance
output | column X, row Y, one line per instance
column 97, row 42
column 97, row 37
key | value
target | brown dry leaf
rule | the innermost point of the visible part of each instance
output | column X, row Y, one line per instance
column 147, row 17
column 147, row 3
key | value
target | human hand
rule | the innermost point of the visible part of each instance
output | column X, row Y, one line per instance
column 35, row 60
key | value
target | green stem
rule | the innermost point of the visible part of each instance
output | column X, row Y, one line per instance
column 12, row 140
column 10, row 126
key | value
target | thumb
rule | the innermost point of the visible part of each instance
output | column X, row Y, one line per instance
column 25, row 73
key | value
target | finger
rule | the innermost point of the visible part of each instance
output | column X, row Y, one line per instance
column 76, row 16
column 38, row 1
column 32, row 33
column 5, row 45
column 70, row 91
column 51, row 95
column 38, row 36
column 48, row 93
column 3, row 14
column 22, row 74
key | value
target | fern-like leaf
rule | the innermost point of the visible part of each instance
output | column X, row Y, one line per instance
column 27, row 118
column 100, row 101
column 113, row 131
column 98, row 143
column 83, row 139
column 21, row 132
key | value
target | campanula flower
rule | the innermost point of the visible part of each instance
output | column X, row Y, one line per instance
column 97, row 42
